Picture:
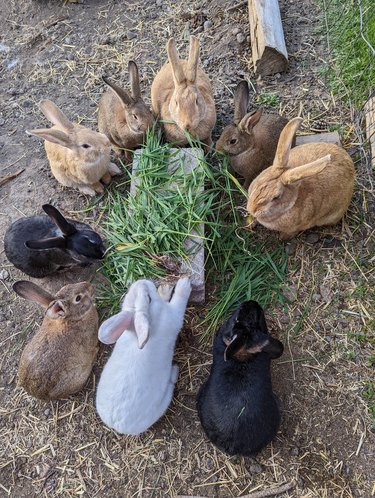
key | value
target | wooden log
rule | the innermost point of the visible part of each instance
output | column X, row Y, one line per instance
column 267, row 37
column 330, row 137
column 369, row 110
column 195, row 265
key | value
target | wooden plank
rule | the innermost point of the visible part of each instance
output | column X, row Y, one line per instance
column 195, row 265
column 369, row 110
column 330, row 137
column 267, row 37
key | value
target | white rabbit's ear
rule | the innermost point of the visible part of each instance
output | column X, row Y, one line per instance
column 141, row 316
column 55, row 115
column 112, row 329
column 52, row 135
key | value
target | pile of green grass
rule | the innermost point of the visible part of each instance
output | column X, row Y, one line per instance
column 147, row 232
column 351, row 68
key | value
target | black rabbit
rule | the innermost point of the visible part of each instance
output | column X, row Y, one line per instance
column 42, row 245
column 236, row 406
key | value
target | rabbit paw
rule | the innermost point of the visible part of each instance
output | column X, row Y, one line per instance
column 183, row 287
column 165, row 292
column 114, row 170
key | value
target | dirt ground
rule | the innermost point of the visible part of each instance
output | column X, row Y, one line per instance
column 325, row 445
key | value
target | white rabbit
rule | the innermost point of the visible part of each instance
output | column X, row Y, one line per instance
column 137, row 383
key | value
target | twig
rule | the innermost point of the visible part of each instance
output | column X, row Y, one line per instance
column 258, row 494
column 237, row 6
column 6, row 178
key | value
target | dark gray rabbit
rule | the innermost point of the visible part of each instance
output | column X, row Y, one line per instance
column 42, row 245
column 236, row 406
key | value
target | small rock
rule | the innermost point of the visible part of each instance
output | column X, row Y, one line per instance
column 328, row 339
column 255, row 468
column 207, row 24
column 235, row 31
column 4, row 274
column 159, row 3
column 240, row 37
column 284, row 319
column 316, row 297
column 2, row 121
column 130, row 35
column 326, row 293
column 291, row 247
column 329, row 242
column 312, row 238
column 295, row 451
column 290, row 293
column 68, row 40
column 47, row 412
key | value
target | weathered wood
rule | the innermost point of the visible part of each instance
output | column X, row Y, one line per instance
column 267, row 37
column 195, row 266
column 369, row 110
column 330, row 137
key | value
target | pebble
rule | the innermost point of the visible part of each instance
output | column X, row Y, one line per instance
column 295, row 451
column 131, row 35
column 2, row 121
column 4, row 274
column 159, row 3
column 255, row 468
column 290, row 293
column 312, row 238
column 291, row 247
column 241, row 37
column 47, row 412
column 207, row 24
column 235, row 31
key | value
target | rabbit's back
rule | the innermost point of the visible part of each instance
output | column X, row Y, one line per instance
column 59, row 358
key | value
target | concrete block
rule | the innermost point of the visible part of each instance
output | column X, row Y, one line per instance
column 195, row 265
column 331, row 137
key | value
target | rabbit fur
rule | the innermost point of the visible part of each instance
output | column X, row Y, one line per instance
column 43, row 245
column 310, row 185
column 181, row 92
column 124, row 117
column 137, row 383
column 58, row 359
column 251, row 140
column 78, row 157
column 236, row 406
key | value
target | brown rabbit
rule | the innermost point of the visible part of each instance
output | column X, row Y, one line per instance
column 310, row 185
column 79, row 157
column 181, row 92
column 251, row 140
column 124, row 117
column 58, row 360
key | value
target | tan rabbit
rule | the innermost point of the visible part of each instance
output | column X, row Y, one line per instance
column 58, row 360
column 251, row 140
column 310, row 185
column 79, row 157
column 123, row 116
column 181, row 92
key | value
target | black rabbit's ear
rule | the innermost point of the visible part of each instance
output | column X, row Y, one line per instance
column 52, row 242
column 274, row 348
column 55, row 215
column 252, row 316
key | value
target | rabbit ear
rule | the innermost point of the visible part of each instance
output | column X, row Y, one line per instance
column 32, row 292
column 122, row 94
column 285, row 143
column 52, row 135
column 192, row 65
column 49, row 243
column 112, row 329
column 55, row 215
column 250, row 120
column 177, row 70
column 141, row 316
column 134, row 80
column 55, row 115
column 294, row 174
column 274, row 348
column 241, row 101
column 56, row 310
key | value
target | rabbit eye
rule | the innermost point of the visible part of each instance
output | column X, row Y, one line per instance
column 78, row 298
column 275, row 197
column 86, row 146
column 233, row 141
column 135, row 117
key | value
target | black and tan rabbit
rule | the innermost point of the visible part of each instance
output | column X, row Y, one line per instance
column 124, row 117
column 251, row 140
column 58, row 360
column 236, row 406
column 43, row 245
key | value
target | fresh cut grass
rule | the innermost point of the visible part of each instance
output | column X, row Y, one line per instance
column 147, row 233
